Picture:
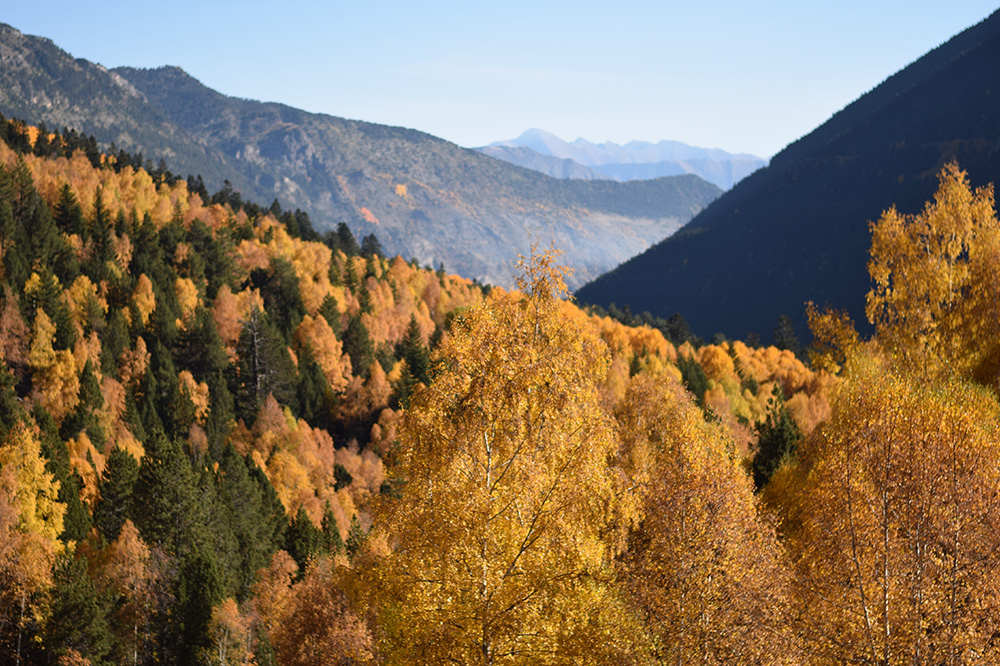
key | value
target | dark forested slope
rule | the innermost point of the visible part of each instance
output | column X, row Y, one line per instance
column 798, row 229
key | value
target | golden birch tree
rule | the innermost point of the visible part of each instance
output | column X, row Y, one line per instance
column 705, row 571
column 893, row 514
column 500, row 532
column 936, row 296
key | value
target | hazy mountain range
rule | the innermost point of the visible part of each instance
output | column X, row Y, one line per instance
column 424, row 197
column 797, row 230
column 637, row 160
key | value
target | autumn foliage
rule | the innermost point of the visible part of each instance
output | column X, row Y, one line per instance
column 225, row 438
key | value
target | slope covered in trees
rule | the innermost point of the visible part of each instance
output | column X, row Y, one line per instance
column 221, row 442
column 201, row 434
column 797, row 230
column 425, row 197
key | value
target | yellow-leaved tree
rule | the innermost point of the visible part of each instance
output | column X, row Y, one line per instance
column 704, row 570
column 31, row 520
column 893, row 516
column 500, row 533
column 936, row 299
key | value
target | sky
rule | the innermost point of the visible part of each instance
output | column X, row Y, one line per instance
column 742, row 76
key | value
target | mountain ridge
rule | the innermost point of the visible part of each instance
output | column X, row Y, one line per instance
column 424, row 197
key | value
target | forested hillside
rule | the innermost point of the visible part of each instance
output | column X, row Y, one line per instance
column 227, row 440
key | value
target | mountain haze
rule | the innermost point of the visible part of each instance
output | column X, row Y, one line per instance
column 797, row 230
column 424, row 197
column 636, row 160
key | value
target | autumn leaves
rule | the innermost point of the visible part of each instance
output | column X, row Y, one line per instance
column 542, row 520
column 890, row 511
column 535, row 527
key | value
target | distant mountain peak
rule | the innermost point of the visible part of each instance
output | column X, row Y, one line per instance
column 636, row 160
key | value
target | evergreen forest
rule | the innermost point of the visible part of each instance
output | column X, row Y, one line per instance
column 227, row 438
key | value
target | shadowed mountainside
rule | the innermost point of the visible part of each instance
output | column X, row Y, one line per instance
column 797, row 230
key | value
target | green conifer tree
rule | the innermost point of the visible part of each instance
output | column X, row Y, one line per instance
column 78, row 618
column 777, row 439
column 117, row 485
column 332, row 540
column 168, row 515
column 355, row 536
column 304, row 540
column 242, row 500
column 272, row 510
column 358, row 345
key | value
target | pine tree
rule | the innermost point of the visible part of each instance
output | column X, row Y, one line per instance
column 331, row 314
column 242, row 500
column 79, row 614
column 168, row 515
column 314, row 397
column 84, row 417
column 356, row 536
column 116, row 489
column 784, row 335
column 103, row 238
column 412, row 350
column 303, row 540
column 264, row 367
column 358, row 345
column 342, row 478
column 198, row 590
column 332, row 540
column 777, row 439
column 272, row 510
column 346, row 241
column 77, row 521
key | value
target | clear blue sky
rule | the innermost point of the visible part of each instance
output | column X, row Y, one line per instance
column 742, row 76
